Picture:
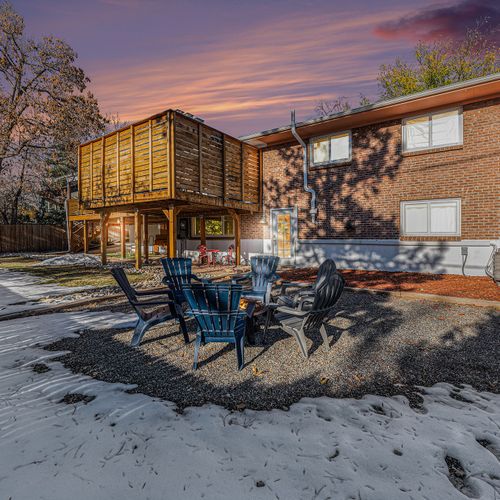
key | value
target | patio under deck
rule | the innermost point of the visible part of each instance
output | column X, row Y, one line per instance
column 158, row 168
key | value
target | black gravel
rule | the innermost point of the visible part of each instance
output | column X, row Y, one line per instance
column 40, row 368
column 73, row 398
column 379, row 345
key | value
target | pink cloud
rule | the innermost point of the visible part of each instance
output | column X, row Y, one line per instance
column 251, row 79
column 450, row 20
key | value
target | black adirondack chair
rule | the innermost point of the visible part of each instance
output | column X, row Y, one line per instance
column 150, row 312
column 311, row 312
column 216, row 309
column 178, row 273
column 261, row 277
column 326, row 269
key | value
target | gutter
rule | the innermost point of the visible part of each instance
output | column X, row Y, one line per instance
column 313, row 211
column 381, row 104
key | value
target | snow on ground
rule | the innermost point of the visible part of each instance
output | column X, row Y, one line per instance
column 71, row 259
column 20, row 291
column 124, row 445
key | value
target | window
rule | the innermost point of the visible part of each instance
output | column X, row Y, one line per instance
column 433, row 131
column 214, row 226
column 430, row 218
column 331, row 149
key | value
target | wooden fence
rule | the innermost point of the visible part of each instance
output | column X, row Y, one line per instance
column 32, row 238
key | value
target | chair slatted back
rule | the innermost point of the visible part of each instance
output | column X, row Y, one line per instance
column 216, row 308
column 122, row 280
column 263, row 271
column 325, row 271
column 178, row 271
column 326, row 294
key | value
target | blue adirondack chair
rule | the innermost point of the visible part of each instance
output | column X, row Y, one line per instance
column 262, row 276
column 216, row 309
column 160, row 308
column 178, row 273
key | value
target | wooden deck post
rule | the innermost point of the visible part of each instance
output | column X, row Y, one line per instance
column 104, row 237
column 123, row 241
column 146, row 238
column 138, row 238
column 171, row 215
column 203, row 231
column 237, row 235
column 85, row 237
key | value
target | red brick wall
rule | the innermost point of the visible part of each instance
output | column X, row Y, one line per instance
column 252, row 227
column 361, row 199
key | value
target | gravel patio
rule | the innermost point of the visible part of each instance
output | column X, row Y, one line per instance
column 151, row 432
column 379, row 345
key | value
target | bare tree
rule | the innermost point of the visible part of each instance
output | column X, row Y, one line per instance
column 19, row 184
column 43, row 102
column 114, row 123
column 45, row 109
column 339, row 105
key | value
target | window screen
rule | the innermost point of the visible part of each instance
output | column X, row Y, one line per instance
column 433, row 130
column 331, row 149
column 430, row 218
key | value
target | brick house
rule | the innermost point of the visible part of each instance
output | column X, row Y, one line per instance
column 408, row 184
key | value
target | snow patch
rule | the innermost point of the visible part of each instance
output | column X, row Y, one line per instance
column 133, row 446
column 72, row 259
column 21, row 292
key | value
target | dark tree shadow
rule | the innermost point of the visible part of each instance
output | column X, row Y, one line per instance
column 379, row 346
column 353, row 203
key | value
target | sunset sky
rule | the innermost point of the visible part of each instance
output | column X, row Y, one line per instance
column 241, row 65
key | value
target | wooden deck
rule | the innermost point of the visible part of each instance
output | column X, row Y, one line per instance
column 159, row 167
column 169, row 159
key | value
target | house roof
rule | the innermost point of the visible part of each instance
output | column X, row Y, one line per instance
column 461, row 93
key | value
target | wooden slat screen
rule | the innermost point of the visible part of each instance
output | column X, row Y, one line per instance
column 141, row 177
column 229, row 168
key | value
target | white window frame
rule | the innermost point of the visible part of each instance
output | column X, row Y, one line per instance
column 329, row 162
column 428, row 203
column 430, row 115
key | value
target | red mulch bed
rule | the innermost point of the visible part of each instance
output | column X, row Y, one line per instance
column 472, row 287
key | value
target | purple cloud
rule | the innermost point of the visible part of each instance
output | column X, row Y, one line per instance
column 449, row 21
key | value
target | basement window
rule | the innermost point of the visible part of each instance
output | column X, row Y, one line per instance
column 331, row 149
column 433, row 130
column 215, row 227
column 431, row 218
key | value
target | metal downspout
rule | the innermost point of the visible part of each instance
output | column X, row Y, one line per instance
column 313, row 211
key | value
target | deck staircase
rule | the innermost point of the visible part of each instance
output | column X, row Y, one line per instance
column 76, row 244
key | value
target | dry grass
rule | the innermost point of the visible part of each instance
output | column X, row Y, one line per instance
column 71, row 276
